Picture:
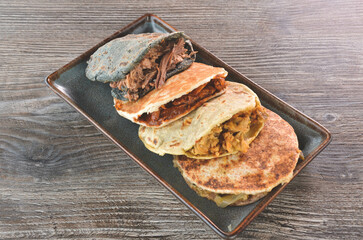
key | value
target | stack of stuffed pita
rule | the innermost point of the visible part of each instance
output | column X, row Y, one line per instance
column 230, row 150
column 227, row 146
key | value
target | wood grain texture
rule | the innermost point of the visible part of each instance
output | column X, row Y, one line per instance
column 61, row 178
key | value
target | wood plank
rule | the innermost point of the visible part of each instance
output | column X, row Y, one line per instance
column 60, row 178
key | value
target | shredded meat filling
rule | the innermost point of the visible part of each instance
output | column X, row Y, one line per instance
column 151, row 71
column 185, row 103
column 229, row 136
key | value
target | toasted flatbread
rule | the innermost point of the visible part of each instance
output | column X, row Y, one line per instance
column 240, row 179
column 163, row 106
column 224, row 125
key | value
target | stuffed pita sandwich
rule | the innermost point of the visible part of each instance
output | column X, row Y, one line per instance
column 222, row 126
column 137, row 63
column 241, row 179
column 180, row 95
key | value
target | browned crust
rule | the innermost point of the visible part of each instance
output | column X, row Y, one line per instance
column 211, row 196
column 270, row 161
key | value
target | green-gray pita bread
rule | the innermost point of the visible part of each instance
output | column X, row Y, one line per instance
column 114, row 60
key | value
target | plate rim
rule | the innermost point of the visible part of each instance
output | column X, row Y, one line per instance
column 50, row 79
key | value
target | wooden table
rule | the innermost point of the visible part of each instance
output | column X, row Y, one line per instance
column 61, row 178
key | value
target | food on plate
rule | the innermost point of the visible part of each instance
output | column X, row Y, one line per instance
column 137, row 63
column 180, row 95
column 228, row 148
column 241, row 179
column 224, row 125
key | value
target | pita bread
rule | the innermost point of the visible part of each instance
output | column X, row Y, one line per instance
column 240, row 179
column 177, row 86
column 181, row 136
column 114, row 60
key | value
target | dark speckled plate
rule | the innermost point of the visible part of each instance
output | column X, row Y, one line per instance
column 93, row 100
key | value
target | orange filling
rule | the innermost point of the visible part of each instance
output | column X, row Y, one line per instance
column 230, row 136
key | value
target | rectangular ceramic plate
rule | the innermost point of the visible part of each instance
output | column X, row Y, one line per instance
column 70, row 83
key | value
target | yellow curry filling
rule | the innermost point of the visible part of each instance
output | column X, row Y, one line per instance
column 232, row 135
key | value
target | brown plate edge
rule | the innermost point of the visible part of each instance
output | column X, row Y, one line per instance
column 49, row 80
